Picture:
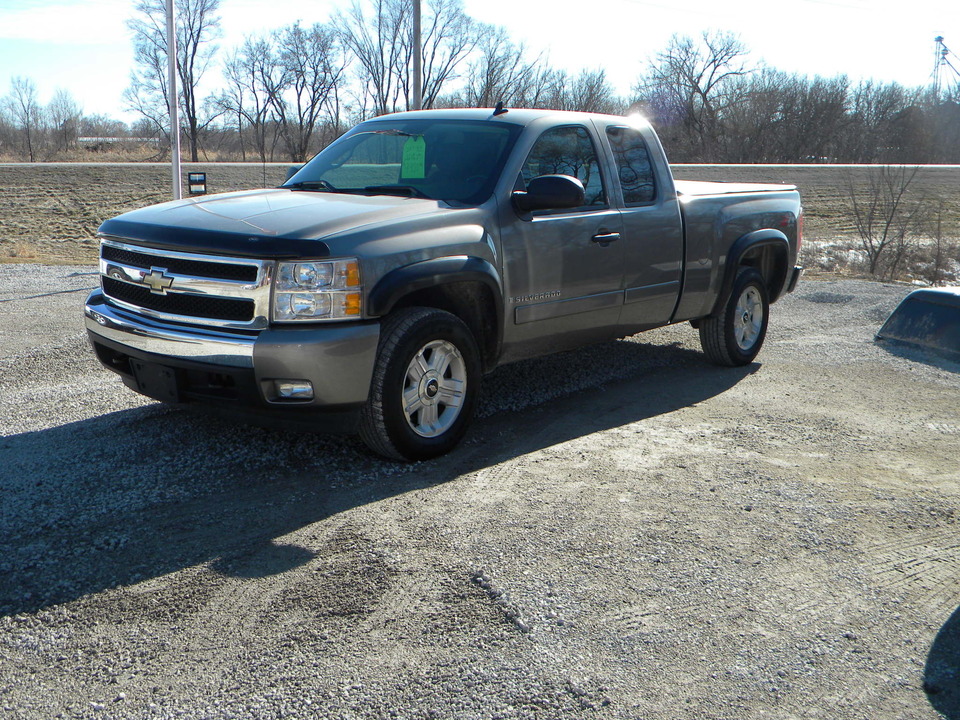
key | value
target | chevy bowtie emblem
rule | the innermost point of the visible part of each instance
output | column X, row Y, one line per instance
column 157, row 281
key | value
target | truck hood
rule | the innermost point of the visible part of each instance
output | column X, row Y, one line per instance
column 262, row 223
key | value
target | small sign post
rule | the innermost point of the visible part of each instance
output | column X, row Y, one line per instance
column 197, row 183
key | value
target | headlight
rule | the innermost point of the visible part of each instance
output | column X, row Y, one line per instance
column 312, row 291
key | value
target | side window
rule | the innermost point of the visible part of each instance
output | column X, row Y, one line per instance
column 633, row 165
column 567, row 151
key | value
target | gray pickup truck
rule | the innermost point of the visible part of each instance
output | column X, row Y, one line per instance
column 374, row 288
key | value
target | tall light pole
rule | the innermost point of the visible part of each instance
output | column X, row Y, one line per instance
column 173, row 100
column 417, row 60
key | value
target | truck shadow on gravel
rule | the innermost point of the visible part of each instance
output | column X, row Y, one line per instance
column 941, row 676
column 137, row 494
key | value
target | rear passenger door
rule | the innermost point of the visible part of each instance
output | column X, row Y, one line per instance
column 652, row 237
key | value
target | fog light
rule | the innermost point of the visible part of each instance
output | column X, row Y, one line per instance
column 293, row 389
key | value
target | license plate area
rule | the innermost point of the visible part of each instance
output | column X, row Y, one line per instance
column 156, row 381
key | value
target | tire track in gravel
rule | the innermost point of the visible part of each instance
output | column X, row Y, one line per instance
column 921, row 565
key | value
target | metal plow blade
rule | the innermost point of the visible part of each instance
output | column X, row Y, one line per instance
column 928, row 319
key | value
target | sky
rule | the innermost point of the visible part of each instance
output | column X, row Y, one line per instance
column 84, row 46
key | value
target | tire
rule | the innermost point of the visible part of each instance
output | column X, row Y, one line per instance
column 735, row 336
column 426, row 381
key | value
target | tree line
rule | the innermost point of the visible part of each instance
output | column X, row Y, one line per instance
column 284, row 94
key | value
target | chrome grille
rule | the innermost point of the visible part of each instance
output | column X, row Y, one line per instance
column 196, row 268
column 187, row 287
column 194, row 306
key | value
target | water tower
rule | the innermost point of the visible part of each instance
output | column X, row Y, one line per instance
column 945, row 72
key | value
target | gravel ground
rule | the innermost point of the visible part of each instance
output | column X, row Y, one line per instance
column 628, row 532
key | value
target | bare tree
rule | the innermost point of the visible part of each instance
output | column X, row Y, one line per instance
column 197, row 26
column 376, row 42
column 7, row 132
column 64, row 115
column 547, row 90
column 781, row 117
column 146, row 95
column 25, row 111
column 752, row 126
column 312, row 70
column 590, row 91
column 945, row 121
column 499, row 72
column 690, row 84
column 872, row 110
column 253, row 73
column 814, row 114
column 232, row 100
column 103, row 126
column 886, row 216
column 449, row 37
column 286, row 86
column 941, row 251
column 380, row 42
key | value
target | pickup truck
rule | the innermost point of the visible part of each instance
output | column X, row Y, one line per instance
column 374, row 288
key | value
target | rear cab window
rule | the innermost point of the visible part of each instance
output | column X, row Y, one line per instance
column 634, row 165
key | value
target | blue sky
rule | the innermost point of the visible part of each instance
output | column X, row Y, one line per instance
column 83, row 46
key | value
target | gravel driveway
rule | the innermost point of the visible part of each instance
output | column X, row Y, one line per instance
column 628, row 532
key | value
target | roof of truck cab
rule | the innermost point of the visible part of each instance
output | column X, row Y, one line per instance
column 513, row 116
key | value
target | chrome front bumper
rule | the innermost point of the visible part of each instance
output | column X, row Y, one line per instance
column 158, row 338
column 337, row 359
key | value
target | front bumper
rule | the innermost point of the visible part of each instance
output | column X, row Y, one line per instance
column 181, row 363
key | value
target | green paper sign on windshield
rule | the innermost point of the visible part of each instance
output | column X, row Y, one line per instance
column 414, row 159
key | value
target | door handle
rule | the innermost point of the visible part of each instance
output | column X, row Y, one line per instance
column 604, row 238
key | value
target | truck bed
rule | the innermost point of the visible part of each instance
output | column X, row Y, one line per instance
column 700, row 187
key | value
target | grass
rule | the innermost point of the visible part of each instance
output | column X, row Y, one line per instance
column 22, row 251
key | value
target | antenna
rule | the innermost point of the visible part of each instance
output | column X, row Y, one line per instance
column 943, row 68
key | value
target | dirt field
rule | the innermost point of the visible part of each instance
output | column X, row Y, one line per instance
column 50, row 212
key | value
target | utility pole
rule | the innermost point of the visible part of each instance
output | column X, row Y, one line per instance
column 173, row 97
column 417, row 59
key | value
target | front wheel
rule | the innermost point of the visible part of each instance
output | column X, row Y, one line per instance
column 425, row 385
column 735, row 336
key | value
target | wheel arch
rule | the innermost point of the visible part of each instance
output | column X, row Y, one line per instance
column 468, row 287
column 767, row 250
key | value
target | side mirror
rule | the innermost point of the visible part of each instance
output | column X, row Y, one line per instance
column 292, row 170
column 550, row 192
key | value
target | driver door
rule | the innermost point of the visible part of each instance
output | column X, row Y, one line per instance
column 563, row 268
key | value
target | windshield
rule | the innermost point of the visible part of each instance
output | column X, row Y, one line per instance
column 457, row 161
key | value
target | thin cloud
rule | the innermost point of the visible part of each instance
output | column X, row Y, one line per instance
column 95, row 22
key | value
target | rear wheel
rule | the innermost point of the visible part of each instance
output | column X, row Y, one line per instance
column 735, row 336
column 425, row 385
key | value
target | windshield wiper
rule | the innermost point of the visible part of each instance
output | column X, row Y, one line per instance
column 394, row 131
column 312, row 185
column 388, row 131
column 401, row 190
